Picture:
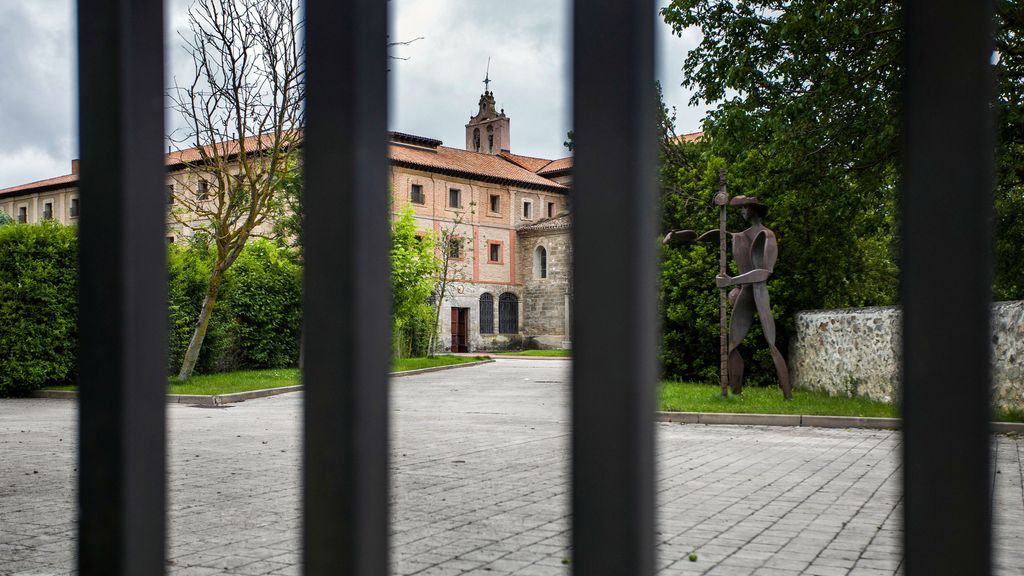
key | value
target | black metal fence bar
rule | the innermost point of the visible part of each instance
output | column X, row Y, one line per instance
column 347, row 294
column 614, row 365
column 947, row 205
column 123, row 286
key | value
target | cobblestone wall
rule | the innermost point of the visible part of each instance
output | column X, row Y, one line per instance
column 545, row 300
column 858, row 352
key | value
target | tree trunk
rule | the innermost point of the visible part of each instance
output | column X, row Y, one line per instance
column 435, row 337
column 195, row 345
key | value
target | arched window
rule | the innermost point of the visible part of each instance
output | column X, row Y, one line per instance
column 486, row 313
column 508, row 313
column 476, row 139
column 540, row 262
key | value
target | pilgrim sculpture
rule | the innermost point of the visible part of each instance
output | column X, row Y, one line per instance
column 755, row 251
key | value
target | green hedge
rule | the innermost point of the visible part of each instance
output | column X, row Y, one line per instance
column 257, row 320
column 256, row 323
column 38, row 307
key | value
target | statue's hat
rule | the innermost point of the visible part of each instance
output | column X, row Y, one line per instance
column 749, row 201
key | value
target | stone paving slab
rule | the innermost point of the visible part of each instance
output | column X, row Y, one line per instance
column 480, row 487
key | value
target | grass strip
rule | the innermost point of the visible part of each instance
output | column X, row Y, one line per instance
column 433, row 361
column 690, row 397
column 549, row 353
column 246, row 380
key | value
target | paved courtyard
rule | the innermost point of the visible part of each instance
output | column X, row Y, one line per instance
column 480, row 462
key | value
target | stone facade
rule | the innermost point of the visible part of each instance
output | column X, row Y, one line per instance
column 32, row 207
column 859, row 352
column 545, row 249
column 467, row 295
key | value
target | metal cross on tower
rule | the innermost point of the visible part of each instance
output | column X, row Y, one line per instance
column 487, row 77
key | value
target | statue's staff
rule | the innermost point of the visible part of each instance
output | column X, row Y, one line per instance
column 722, row 200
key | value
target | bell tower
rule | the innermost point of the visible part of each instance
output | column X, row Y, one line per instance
column 488, row 131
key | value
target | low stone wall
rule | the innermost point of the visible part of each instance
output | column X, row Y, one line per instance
column 857, row 352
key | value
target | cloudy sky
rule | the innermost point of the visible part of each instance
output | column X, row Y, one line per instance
column 433, row 92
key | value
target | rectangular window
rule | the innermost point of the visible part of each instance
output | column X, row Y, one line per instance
column 170, row 239
column 204, row 190
column 455, row 248
column 48, row 211
column 494, row 252
column 170, row 193
column 495, row 204
column 551, row 209
column 527, row 209
column 73, row 210
column 416, row 194
column 454, row 198
column 22, row 215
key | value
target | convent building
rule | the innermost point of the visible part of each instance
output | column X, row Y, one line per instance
column 508, row 216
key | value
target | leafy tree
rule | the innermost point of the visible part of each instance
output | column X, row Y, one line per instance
column 5, row 218
column 1009, row 281
column 450, row 251
column 413, row 268
column 807, row 123
column 810, row 101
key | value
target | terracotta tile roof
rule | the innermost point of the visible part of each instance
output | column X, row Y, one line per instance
column 540, row 166
column 228, row 148
column 425, row 153
column 691, row 136
column 175, row 158
column 487, row 167
column 560, row 165
column 529, row 162
column 560, row 222
column 42, row 185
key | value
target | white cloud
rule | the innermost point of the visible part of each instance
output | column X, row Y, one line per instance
column 36, row 89
column 433, row 93
column 436, row 91
column 29, row 164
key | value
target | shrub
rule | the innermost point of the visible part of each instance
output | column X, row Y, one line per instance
column 263, row 302
column 257, row 320
column 188, row 272
column 38, row 307
column 256, row 323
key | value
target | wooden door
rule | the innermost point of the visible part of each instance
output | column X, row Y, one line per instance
column 460, row 329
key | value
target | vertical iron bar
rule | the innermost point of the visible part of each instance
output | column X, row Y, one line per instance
column 123, row 290
column 347, row 295
column 614, row 359
column 946, row 286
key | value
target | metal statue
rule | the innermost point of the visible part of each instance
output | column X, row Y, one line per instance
column 755, row 251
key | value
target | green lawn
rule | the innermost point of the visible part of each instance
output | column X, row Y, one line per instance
column 552, row 353
column 688, row 397
column 243, row 381
column 433, row 361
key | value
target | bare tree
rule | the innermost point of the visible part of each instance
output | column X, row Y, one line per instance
column 451, row 250
column 243, row 114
